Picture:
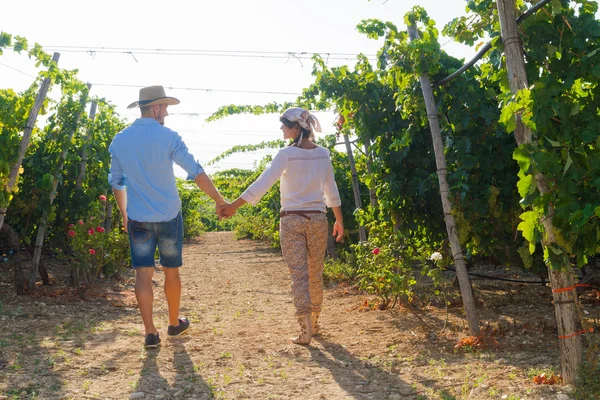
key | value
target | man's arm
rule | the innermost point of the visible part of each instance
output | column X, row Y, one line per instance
column 207, row 186
column 185, row 160
column 121, row 198
column 116, row 179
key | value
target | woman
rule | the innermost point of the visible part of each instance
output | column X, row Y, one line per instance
column 307, row 188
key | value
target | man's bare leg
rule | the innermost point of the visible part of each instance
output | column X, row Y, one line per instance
column 173, row 293
column 145, row 297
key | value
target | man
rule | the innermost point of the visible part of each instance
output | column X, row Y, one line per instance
column 142, row 157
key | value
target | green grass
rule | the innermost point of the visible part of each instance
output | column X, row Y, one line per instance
column 338, row 271
column 533, row 372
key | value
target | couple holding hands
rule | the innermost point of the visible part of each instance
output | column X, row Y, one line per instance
column 143, row 182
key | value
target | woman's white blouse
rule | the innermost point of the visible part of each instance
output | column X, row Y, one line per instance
column 307, row 180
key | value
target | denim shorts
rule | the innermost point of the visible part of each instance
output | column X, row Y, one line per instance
column 145, row 236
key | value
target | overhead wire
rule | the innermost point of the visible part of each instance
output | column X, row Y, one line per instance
column 18, row 70
column 217, row 132
column 273, row 132
column 174, row 87
column 199, row 50
column 93, row 50
column 187, row 114
column 199, row 89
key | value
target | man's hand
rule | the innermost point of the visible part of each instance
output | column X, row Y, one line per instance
column 338, row 231
column 125, row 219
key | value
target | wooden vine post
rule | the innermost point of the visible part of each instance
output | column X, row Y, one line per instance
column 440, row 161
column 372, row 194
column 564, row 294
column 41, row 235
column 14, row 256
column 88, row 138
column 29, row 126
column 362, row 233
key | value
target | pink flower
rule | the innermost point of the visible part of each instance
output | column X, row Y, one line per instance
column 90, row 231
column 71, row 226
column 80, row 222
column 100, row 229
column 375, row 250
column 102, row 197
column 92, row 251
column 71, row 233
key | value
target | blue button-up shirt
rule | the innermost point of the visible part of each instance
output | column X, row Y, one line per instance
column 142, row 157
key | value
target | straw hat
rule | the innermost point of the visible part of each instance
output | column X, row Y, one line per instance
column 152, row 95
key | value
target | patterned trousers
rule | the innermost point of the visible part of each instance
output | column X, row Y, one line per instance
column 303, row 244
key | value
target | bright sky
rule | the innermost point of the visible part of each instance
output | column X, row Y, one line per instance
column 243, row 27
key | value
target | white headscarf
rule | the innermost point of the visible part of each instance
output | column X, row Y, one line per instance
column 304, row 118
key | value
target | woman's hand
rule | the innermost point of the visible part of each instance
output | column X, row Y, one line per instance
column 338, row 231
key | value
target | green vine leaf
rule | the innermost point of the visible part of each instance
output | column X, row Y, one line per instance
column 567, row 164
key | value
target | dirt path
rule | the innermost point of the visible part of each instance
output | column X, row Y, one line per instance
column 237, row 296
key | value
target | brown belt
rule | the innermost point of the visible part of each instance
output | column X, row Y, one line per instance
column 301, row 213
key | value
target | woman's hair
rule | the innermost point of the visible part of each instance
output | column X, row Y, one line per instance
column 304, row 133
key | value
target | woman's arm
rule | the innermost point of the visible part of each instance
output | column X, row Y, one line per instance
column 332, row 199
column 330, row 189
column 259, row 187
column 266, row 180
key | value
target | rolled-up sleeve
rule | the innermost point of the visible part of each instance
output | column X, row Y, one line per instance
column 116, row 176
column 183, row 158
column 330, row 189
column 267, row 179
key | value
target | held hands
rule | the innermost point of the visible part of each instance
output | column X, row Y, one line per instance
column 219, row 206
column 226, row 210
column 338, row 231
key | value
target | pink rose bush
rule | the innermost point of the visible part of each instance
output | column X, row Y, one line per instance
column 94, row 248
column 390, row 265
